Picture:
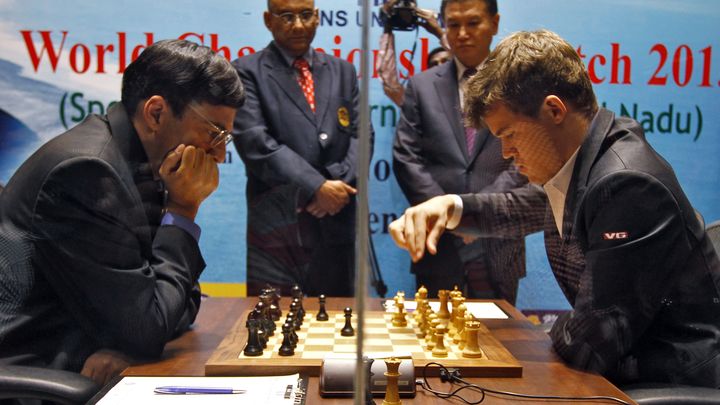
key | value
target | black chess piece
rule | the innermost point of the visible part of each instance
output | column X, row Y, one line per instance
column 322, row 314
column 287, row 348
column 367, row 363
column 253, row 347
column 296, row 307
column 296, row 292
column 274, row 294
column 347, row 330
column 293, row 335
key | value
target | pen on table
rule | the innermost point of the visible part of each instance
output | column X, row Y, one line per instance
column 197, row 390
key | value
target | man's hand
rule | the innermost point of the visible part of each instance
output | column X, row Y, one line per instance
column 421, row 226
column 190, row 176
column 428, row 20
column 105, row 364
column 330, row 198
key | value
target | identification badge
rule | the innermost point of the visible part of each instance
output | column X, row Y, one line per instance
column 343, row 116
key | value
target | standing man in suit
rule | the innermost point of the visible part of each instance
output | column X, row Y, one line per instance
column 622, row 238
column 435, row 154
column 99, row 255
column 297, row 135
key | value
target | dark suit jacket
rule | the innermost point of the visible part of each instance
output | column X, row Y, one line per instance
column 635, row 264
column 84, row 264
column 282, row 142
column 430, row 158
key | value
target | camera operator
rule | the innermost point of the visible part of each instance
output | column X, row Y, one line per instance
column 403, row 15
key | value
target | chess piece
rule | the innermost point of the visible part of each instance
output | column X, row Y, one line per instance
column 472, row 348
column 347, row 330
column 367, row 364
column 297, row 293
column 440, row 350
column 287, row 348
column 463, row 339
column 443, row 313
column 430, row 337
column 322, row 315
column 275, row 310
column 420, row 295
column 253, row 347
column 392, row 395
column 398, row 319
column 459, row 323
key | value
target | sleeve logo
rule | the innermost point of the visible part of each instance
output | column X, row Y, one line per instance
column 615, row 235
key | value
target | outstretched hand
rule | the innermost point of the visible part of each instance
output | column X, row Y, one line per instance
column 420, row 228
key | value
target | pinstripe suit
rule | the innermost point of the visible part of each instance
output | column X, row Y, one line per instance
column 633, row 261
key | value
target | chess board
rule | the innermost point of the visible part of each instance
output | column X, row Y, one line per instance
column 317, row 339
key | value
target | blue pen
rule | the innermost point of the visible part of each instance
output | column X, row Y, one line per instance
column 179, row 390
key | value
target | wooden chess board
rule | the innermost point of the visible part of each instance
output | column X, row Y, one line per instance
column 317, row 339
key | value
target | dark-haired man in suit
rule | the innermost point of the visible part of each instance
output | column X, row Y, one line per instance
column 99, row 255
column 623, row 240
column 435, row 154
column 297, row 135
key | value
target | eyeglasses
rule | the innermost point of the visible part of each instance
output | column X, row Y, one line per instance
column 221, row 136
column 289, row 18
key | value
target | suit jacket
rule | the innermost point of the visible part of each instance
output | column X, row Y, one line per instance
column 84, row 264
column 284, row 145
column 635, row 263
column 430, row 158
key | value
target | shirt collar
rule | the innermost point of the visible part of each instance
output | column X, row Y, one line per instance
column 308, row 56
column 557, row 189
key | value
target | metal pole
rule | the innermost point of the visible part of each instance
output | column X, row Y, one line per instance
column 362, row 230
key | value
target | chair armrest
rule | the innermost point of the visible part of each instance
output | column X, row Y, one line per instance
column 666, row 394
column 41, row 383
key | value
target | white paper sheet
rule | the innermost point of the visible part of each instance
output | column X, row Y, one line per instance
column 259, row 390
column 481, row 310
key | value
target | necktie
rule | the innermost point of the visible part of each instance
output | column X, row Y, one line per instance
column 470, row 132
column 305, row 81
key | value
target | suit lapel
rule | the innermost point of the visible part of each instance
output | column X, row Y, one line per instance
column 285, row 77
column 323, row 85
column 446, row 87
column 586, row 157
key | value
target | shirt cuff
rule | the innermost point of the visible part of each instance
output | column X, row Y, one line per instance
column 454, row 220
column 180, row 221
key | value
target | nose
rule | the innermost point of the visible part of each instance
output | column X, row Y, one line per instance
column 218, row 152
column 507, row 150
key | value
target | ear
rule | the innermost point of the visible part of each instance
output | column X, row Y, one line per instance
column 266, row 19
column 554, row 109
column 154, row 111
column 496, row 23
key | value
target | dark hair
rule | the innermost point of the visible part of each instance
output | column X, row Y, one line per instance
column 522, row 70
column 435, row 52
column 491, row 6
column 181, row 72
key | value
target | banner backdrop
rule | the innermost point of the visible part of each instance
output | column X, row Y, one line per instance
column 657, row 62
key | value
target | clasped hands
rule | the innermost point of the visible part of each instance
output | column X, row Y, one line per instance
column 190, row 175
column 330, row 198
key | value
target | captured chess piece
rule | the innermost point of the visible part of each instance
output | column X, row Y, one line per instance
column 367, row 364
column 472, row 348
column 322, row 315
column 392, row 395
column 347, row 330
column 253, row 347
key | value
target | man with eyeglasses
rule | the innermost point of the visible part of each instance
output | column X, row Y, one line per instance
column 297, row 135
column 435, row 153
column 99, row 254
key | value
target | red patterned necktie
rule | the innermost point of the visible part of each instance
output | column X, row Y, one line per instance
column 305, row 81
column 470, row 132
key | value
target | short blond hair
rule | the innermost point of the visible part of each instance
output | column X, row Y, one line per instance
column 525, row 68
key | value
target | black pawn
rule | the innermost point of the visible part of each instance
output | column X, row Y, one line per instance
column 347, row 330
column 322, row 314
column 254, row 346
column 296, row 292
column 287, row 348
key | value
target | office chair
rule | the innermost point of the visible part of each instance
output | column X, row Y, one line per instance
column 59, row 386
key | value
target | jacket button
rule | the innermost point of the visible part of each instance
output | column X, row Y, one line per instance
column 323, row 136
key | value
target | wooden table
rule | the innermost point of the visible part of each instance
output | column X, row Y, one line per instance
column 543, row 371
